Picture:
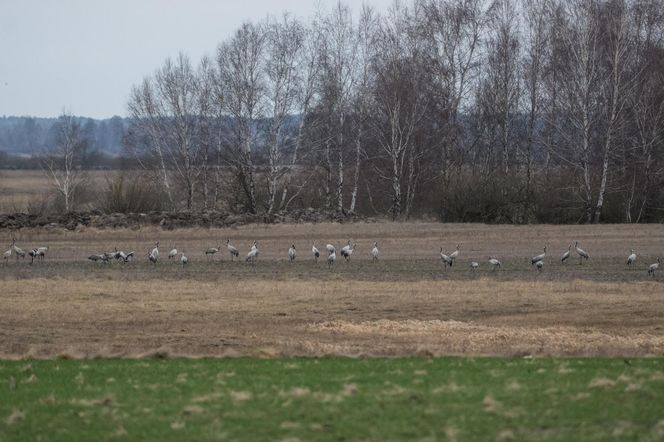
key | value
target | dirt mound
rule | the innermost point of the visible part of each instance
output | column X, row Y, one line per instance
column 168, row 220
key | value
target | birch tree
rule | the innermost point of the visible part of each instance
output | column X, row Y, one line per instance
column 337, row 77
column 61, row 162
column 242, row 84
column 399, row 99
column 285, row 40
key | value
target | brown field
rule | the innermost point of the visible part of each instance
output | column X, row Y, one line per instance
column 21, row 189
column 403, row 305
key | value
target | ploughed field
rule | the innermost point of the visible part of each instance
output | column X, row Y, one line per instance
column 404, row 304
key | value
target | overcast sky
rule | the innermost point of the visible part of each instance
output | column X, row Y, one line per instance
column 84, row 55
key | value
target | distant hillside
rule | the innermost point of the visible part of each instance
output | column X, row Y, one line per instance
column 27, row 135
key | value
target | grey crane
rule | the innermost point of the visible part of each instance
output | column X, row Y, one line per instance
column 232, row 250
column 347, row 251
column 153, row 258
column 344, row 250
column 653, row 268
column 155, row 251
column 582, row 253
column 374, row 252
column 33, row 254
column 292, row 253
column 538, row 258
column 631, row 259
column 173, row 253
column 20, row 253
column 253, row 254
column 183, row 259
column 495, row 264
column 447, row 261
column 539, row 265
column 126, row 257
column 474, row 266
column 331, row 257
column 315, row 251
column 566, row 255
column 210, row 251
column 455, row 254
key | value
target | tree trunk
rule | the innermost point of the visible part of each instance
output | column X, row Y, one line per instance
column 358, row 162
column 340, row 179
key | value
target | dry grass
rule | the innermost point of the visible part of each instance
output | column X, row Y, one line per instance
column 19, row 189
column 45, row 318
column 406, row 304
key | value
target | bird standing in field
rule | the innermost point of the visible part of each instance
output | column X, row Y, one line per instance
column 183, row 259
column 210, row 251
column 253, row 254
column 374, row 252
column 33, row 254
column 232, row 250
column 315, row 252
column 153, row 256
column 565, row 256
column 447, row 261
column 653, row 268
column 474, row 266
column 538, row 258
column 631, row 259
column 582, row 253
column 155, row 251
column 173, row 253
column 455, row 254
column 539, row 265
column 20, row 253
column 126, row 257
column 347, row 251
column 331, row 257
column 494, row 263
column 292, row 253
column 331, row 249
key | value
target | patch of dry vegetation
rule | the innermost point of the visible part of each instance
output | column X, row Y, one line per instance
column 46, row 318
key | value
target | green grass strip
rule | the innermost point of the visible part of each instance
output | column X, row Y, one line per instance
column 332, row 399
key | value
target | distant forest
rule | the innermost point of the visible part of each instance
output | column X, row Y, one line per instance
column 22, row 139
column 512, row 111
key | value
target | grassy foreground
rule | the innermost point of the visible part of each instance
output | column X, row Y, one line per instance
column 332, row 399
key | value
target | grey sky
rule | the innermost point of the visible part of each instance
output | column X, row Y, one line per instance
column 84, row 55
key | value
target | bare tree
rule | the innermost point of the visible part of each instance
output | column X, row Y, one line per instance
column 285, row 40
column 242, row 84
column 309, row 66
column 400, row 100
column 61, row 162
column 534, row 58
column 338, row 69
column 362, row 96
column 151, row 129
column 165, row 108
column 502, row 85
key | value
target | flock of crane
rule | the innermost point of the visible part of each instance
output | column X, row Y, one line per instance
column 346, row 252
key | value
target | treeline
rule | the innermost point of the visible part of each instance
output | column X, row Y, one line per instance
column 463, row 110
column 23, row 139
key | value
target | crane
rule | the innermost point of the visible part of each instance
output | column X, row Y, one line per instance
column 582, row 253
column 232, row 250
column 315, row 252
